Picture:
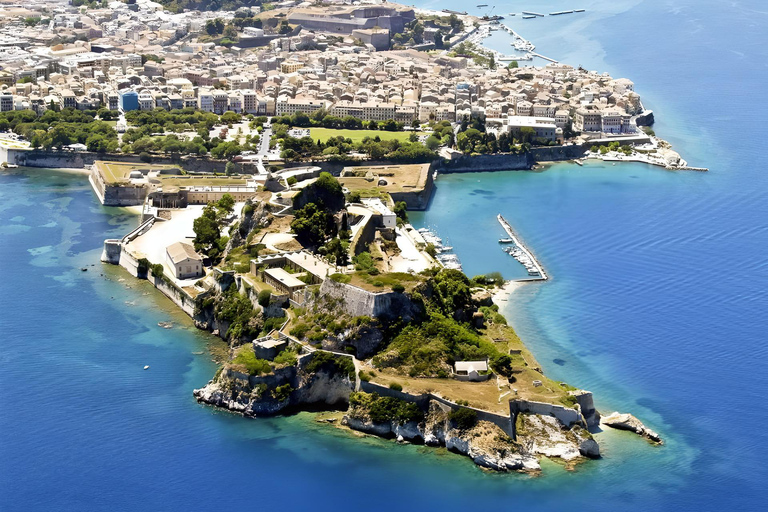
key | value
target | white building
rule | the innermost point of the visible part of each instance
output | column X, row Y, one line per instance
column 184, row 261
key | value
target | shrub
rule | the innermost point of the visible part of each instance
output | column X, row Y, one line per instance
column 464, row 419
column 364, row 376
column 143, row 266
column 299, row 330
column 282, row 392
column 157, row 270
column 385, row 409
column 271, row 324
column 322, row 360
column 253, row 365
column 286, row 357
column 291, row 181
column 398, row 288
column 263, row 299
column 395, row 386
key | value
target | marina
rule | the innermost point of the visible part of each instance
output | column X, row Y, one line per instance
column 515, row 248
column 444, row 254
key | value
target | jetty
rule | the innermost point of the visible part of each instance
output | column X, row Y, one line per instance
column 526, row 254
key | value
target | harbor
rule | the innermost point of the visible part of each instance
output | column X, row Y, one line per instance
column 515, row 248
column 443, row 253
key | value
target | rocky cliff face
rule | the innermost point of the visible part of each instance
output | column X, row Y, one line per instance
column 485, row 443
column 257, row 216
column 284, row 389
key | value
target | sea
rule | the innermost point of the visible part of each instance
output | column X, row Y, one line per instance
column 657, row 304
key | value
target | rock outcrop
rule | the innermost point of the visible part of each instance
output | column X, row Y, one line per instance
column 629, row 422
column 284, row 389
column 485, row 443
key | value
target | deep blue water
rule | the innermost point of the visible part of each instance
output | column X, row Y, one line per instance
column 657, row 304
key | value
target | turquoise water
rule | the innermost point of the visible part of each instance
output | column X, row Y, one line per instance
column 656, row 305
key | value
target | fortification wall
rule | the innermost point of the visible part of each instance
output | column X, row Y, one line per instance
column 359, row 302
column 566, row 415
column 503, row 422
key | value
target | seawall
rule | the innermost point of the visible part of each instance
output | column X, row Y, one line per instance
column 510, row 162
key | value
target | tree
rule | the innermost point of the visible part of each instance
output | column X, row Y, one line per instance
column 401, row 210
column 338, row 250
column 438, row 40
column 264, row 297
column 206, row 228
column 145, row 157
column 313, row 224
column 432, row 142
column 229, row 169
column 326, row 190
column 513, row 65
column 214, row 27
column 225, row 205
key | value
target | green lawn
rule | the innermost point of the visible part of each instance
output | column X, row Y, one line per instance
column 357, row 135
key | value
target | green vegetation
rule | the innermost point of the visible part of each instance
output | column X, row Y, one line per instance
column 395, row 386
column 326, row 190
column 54, row 129
column 356, row 136
column 157, row 270
column 283, row 392
column 464, row 419
column 612, row 146
column 383, row 409
column 490, row 279
column 473, row 139
column 480, row 56
column 207, row 227
column 238, row 310
column 287, row 357
column 264, row 297
column 313, row 224
column 246, row 358
column 332, row 363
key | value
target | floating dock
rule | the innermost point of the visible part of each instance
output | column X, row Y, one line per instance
column 558, row 13
column 529, row 13
column 515, row 240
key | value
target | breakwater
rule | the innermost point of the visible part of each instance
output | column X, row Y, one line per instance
column 542, row 276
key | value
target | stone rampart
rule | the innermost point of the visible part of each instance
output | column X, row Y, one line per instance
column 503, row 422
column 566, row 415
column 359, row 302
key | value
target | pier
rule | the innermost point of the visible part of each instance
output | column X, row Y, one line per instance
column 515, row 240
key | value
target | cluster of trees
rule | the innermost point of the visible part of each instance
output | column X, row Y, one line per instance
column 479, row 56
column 412, row 35
column 321, row 119
column 428, row 346
column 143, row 138
column 442, row 135
column 314, row 218
column 473, row 139
column 207, row 227
column 384, row 409
column 93, row 4
column 612, row 146
column 294, row 149
column 210, row 5
column 54, row 129
column 160, row 120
